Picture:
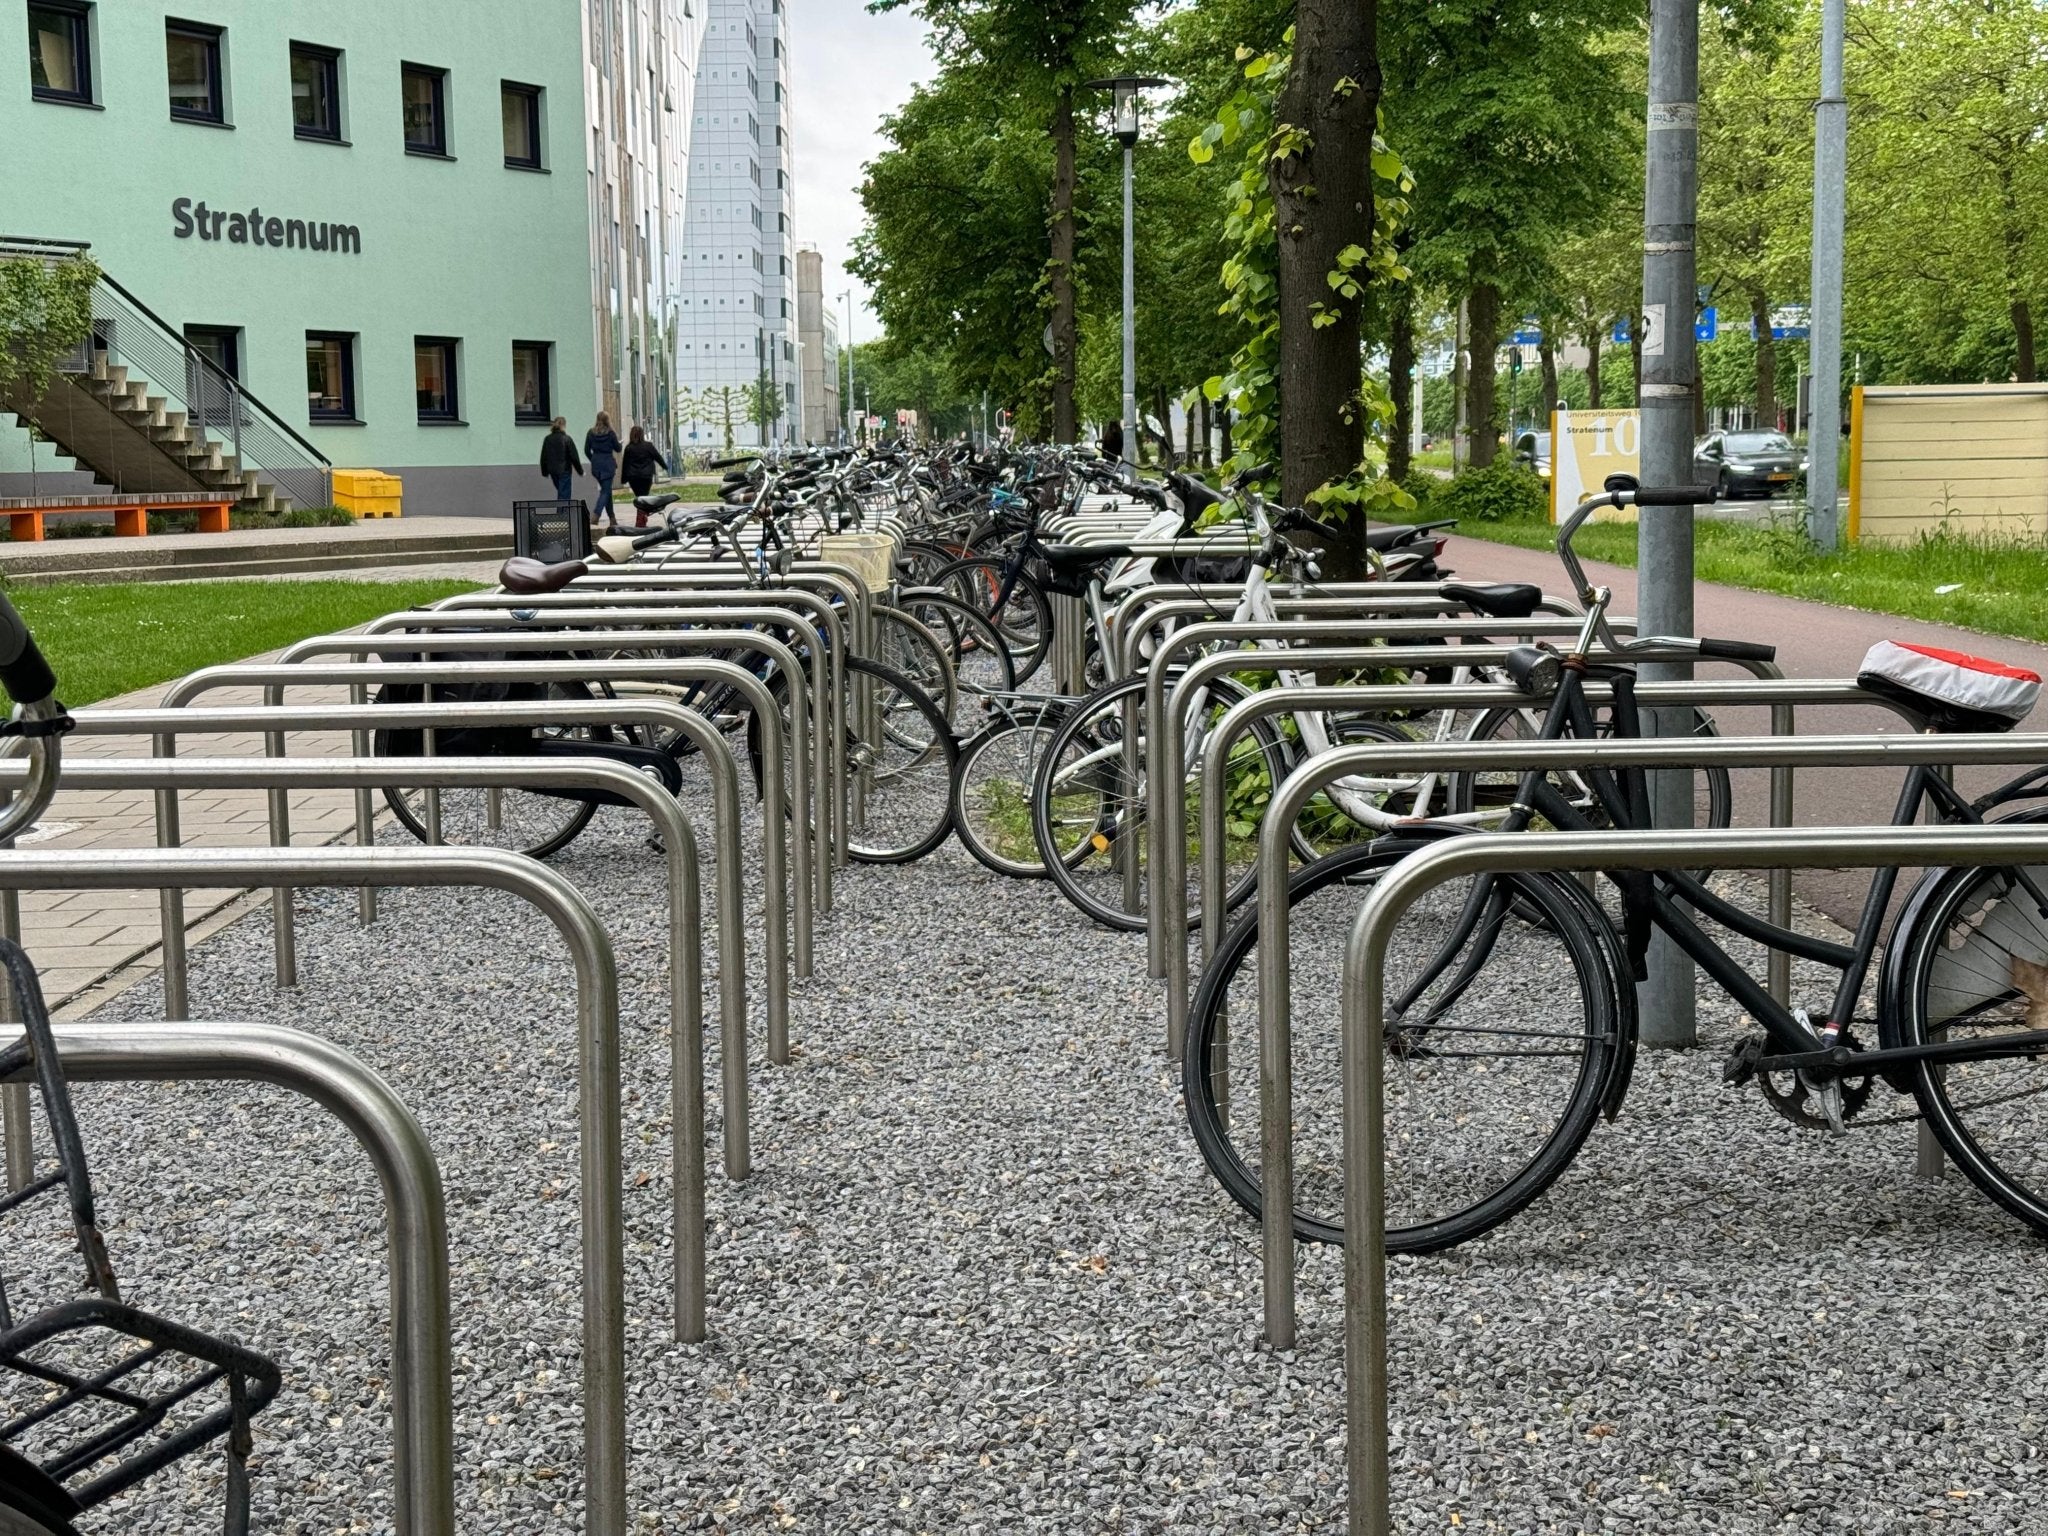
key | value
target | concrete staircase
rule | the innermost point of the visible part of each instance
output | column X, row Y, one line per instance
column 134, row 440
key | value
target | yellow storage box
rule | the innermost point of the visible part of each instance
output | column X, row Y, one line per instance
column 368, row 492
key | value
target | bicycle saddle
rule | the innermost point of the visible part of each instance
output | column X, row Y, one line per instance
column 524, row 575
column 1505, row 600
column 1384, row 539
column 1082, row 557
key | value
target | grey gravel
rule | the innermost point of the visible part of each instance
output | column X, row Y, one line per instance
column 981, row 1282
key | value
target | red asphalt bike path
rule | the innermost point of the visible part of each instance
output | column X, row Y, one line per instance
column 1813, row 640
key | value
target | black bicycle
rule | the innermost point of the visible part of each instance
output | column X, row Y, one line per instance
column 1511, row 1024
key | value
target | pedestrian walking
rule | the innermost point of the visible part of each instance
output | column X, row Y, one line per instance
column 558, row 461
column 601, row 447
column 638, row 466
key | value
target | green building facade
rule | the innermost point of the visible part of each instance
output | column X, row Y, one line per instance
column 374, row 214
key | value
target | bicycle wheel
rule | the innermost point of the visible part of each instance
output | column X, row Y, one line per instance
column 903, row 758
column 1972, row 948
column 905, row 645
column 992, row 790
column 1025, row 622
column 1494, row 790
column 1088, row 810
column 1495, row 1071
column 979, row 662
column 523, row 821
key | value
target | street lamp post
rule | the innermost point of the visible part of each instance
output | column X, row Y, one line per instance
column 1124, row 91
column 847, row 299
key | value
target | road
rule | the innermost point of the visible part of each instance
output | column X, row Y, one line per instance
column 1813, row 640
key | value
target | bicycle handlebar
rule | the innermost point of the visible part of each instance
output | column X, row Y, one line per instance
column 1623, row 492
column 26, row 676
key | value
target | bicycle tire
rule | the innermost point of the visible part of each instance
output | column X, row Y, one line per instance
column 992, row 781
column 1560, row 908
column 1961, row 938
column 574, row 816
column 1026, row 620
column 1096, row 802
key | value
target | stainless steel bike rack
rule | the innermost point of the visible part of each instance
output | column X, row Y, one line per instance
column 1168, row 866
column 1276, row 1046
column 803, row 788
column 727, row 894
column 828, row 770
column 775, row 837
column 1780, row 695
column 415, row 1214
column 685, row 938
column 824, row 616
column 601, row 1171
column 1365, row 1303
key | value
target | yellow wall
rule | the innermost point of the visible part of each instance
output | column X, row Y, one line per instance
column 1972, row 455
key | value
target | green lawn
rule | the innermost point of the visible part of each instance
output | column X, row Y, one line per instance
column 1997, row 584
column 111, row 639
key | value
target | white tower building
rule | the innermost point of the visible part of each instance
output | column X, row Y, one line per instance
column 736, row 353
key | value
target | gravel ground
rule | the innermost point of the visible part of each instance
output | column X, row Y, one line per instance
column 981, row 1282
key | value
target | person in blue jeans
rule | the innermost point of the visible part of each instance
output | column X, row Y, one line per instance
column 601, row 446
column 558, row 461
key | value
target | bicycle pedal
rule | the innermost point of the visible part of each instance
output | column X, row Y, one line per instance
column 1742, row 1061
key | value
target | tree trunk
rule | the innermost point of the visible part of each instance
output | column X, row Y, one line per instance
column 1223, row 443
column 1482, row 311
column 1164, row 410
column 1202, row 405
column 1546, row 358
column 1322, row 199
column 1065, row 428
column 1188, row 431
column 1766, row 360
column 1592, row 369
column 2023, row 342
column 1401, row 380
column 2015, row 233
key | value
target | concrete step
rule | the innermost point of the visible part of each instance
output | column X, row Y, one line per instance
column 287, row 551
column 288, row 565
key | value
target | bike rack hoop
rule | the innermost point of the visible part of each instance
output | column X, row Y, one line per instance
column 1363, row 1004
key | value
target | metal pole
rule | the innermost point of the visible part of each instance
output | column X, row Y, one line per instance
column 848, row 296
column 1130, row 323
column 415, row 1215
column 1824, row 321
column 1664, row 602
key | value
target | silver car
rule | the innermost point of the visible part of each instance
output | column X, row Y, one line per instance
column 1752, row 463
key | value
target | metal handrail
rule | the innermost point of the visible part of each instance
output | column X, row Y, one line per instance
column 1365, row 1304
column 1276, row 1087
column 685, row 937
column 415, row 1211
column 601, row 1166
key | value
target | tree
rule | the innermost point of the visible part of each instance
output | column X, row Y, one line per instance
column 763, row 405
column 1039, row 51
column 45, row 312
column 724, row 402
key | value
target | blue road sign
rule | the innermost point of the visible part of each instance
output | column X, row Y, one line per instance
column 1528, row 337
column 1708, row 326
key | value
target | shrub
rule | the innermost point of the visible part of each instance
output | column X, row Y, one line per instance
column 1501, row 492
column 1423, row 486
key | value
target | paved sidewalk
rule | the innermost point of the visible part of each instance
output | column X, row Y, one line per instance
column 80, row 939
column 1813, row 640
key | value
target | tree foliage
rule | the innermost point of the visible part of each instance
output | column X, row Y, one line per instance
column 45, row 312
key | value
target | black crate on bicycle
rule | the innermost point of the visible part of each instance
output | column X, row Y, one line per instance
column 551, row 531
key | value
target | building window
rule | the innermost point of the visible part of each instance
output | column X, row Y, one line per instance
column 433, row 375
column 522, row 126
column 60, row 54
column 530, row 382
column 426, row 123
column 192, row 53
column 316, row 93
column 330, row 376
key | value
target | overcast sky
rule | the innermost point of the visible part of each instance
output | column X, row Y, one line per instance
column 849, row 70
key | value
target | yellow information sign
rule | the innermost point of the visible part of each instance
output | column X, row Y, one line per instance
column 1585, row 448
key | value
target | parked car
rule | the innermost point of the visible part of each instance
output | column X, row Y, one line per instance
column 1748, row 463
column 1532, row 449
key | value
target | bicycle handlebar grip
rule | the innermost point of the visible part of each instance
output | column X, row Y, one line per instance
column 23, row 672
column 1738, row 650
column 728, row 463
column 1675, row 495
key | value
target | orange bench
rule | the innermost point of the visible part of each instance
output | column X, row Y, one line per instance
column 131, row 513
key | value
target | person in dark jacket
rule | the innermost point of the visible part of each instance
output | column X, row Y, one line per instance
column 1113, row 440
column 558, row 461
column 638, row 464
column 601, row 447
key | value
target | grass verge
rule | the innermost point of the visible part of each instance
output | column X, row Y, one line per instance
column 1987, row 584
column 110, row 639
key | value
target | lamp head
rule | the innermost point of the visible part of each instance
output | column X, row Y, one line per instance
column 1124, row 92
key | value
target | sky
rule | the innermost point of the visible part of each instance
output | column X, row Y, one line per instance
column 848, row 70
